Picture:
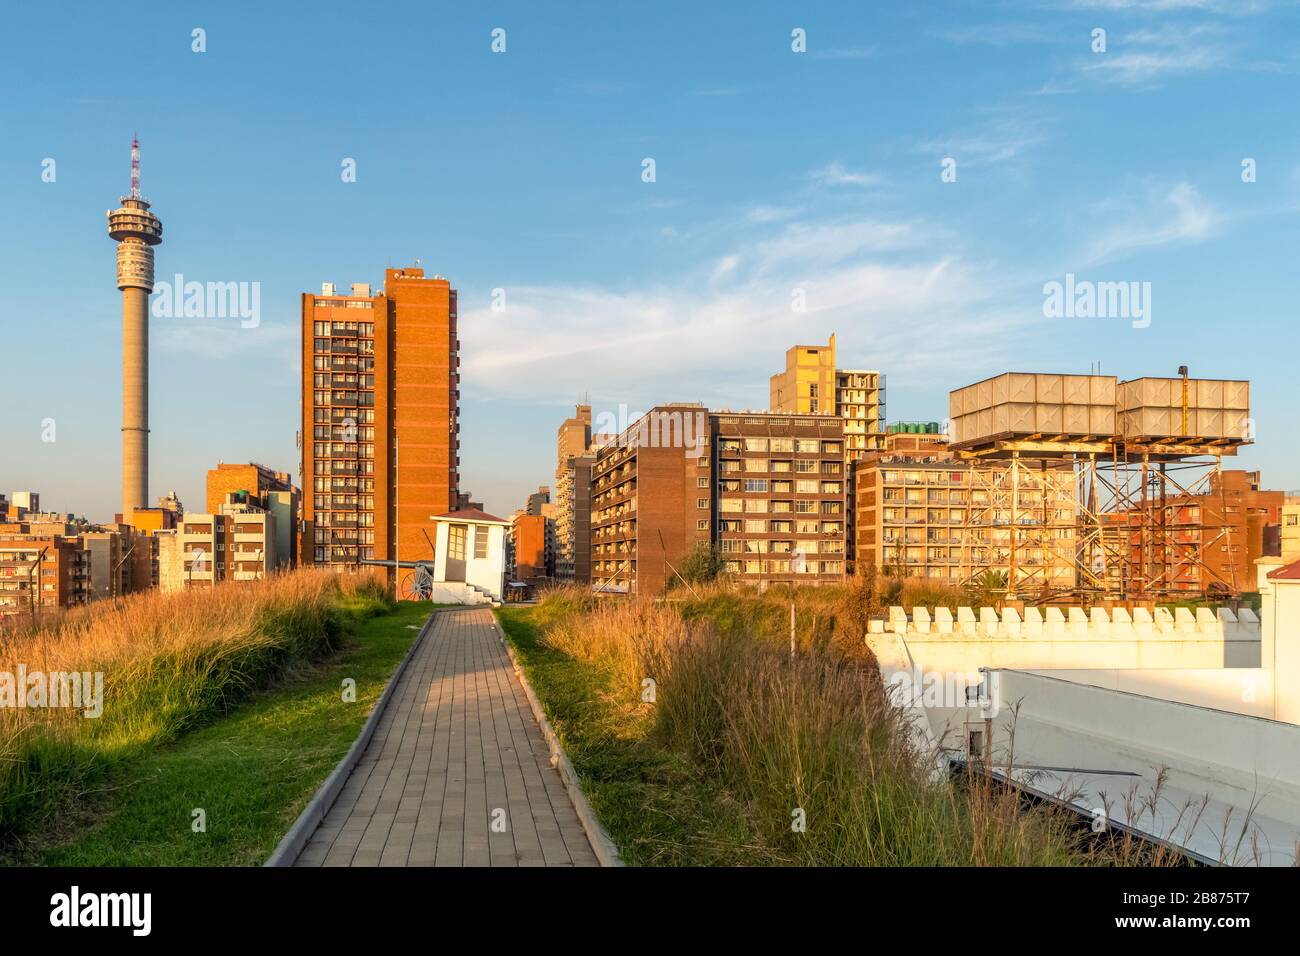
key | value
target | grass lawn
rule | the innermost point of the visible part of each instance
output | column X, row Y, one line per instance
column 251, row 771
column 657, row 812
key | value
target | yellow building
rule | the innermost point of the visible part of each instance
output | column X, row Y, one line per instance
column 812, row 385
column 1291, row 528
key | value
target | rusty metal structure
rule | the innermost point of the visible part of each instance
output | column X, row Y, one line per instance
column 1114, row 481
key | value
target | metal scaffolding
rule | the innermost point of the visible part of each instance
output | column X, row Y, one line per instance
column 1099, row 518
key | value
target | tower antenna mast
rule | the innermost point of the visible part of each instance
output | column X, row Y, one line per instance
column 135, row 167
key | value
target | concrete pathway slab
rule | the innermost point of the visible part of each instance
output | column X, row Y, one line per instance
column 457, row 773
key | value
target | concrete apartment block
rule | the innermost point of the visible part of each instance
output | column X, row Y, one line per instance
column 381, row 396
column 39, row 572
column 645, row 513
column 265, row 488
column 925, row 513
column 781, row 493
column 238, row 543
column 766, row 490
column 534, row 546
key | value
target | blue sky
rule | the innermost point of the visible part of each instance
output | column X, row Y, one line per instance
column 522, row 171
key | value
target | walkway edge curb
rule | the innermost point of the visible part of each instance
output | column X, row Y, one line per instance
column 606, row 852
column 291, row 844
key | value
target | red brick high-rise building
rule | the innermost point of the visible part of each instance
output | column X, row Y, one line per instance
column 380, row 402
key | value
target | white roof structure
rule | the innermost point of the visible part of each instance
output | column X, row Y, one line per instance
column 1222, row 787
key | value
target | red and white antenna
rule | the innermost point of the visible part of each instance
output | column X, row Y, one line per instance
column 135, row 167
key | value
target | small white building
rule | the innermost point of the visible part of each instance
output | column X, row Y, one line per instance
column 469, row 564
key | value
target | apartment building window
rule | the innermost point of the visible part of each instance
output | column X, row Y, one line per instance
column 756, row 464
column 701, row 502
column 755, row 526
column 782, row 445
column 806, row 487
column 756, row 504
column 782, row 487
column 702, row 524
column 756, row 484
column 808, row 445
column 731, row 505
column 702, row 482
column 755, row 444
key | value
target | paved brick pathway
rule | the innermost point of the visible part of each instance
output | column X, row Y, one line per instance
column 457, row 744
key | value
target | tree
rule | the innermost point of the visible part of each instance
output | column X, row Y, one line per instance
column 988, row 587
column 702, row 565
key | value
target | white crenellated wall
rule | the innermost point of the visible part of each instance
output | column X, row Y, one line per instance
column 1073, row 638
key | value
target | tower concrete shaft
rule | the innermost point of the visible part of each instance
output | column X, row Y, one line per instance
column 136, row 231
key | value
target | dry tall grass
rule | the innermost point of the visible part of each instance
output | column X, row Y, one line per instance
column 168, row 662
column 811, row 732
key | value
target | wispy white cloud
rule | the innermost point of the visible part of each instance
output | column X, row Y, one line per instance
column 277, row 342
column 1143, row 56
column 1006, row 135
column 831, row 242
column 837, row 174
column 759, row 214
column 1177, row 215
column 713, row 333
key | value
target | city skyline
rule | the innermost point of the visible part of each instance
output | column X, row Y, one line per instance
column 817, row 172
